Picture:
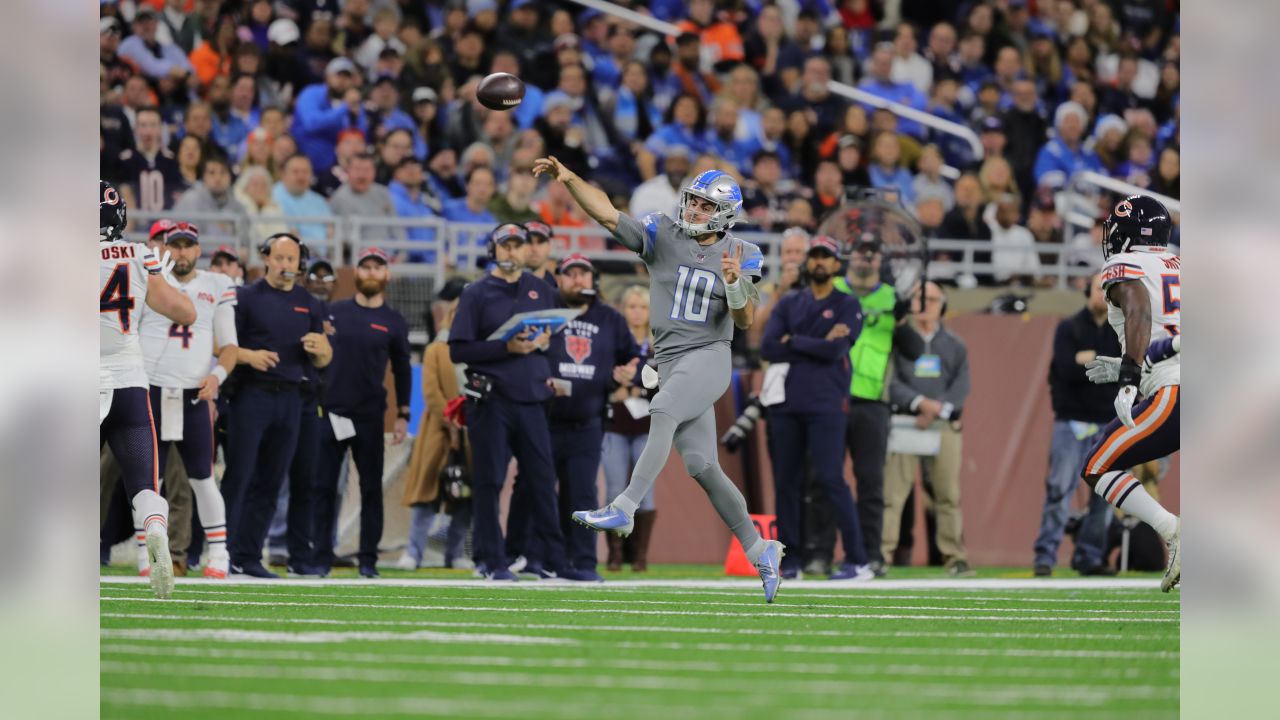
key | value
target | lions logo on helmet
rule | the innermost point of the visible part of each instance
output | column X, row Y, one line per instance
column 719, row 188
column 1135, row 221
column 112, row 217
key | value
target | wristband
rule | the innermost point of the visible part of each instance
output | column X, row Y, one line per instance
column 736, row 294
column 220, row 373
column 1130, row 372
column 947, row 410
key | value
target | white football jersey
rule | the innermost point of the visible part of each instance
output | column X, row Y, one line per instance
column 122, row 294
column 1160, row 273
column 180, row 356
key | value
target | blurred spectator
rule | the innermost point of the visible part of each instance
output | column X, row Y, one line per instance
column 361, row 197
column 426, row 119
column 908, row 66
column 197, row 25
column 283, row 147
column 997, row 178
column 683, row 124
column 944, row 103
column 849, row 158
column 164, row 63
column 442, row 175
column 253, row 191
column 1064, row 156
column 883, row 121
column 212, row 195
column 350, row 143
column 383, row 109
column 1165, row 180
column 660, row 192
column 800, row 215
column 212, row 57
column 988, row 102
column 839, row 54
column 117, row 70
column 258, row 22
column 474, row 206
column 929, row 210
column 498, row 134
column 940, row 52
column 190, row 157
column 933, row 387
column 512, row 206
column 563, row 139
column 1136, row 169
column 394, row 147
column 964, row 220
column 197, row 122
column 558, row 209
column 226, row 261
column 993, row 138
column 744, row 88
column 285, row 63
column 773, row 123
column 520, row 32
column 1025, row 129
column 1079, row 61
column 721, row 137
column 815, row 97
column 828, row 189
column 766, row 195
column 773, row 53
column 385, row 22
column 1080, row 408
column 1044, row 66
column 152, row 179
column 687, row 69
column 1119, row 96
column 974, row 72
column 801, row 143
column 720, row 40
column 885, row 170
column 228, row 130
column 1013, row 257
column 244, row 100
column 1043, row 220
column 411, row 200
column 880, row 82
column 634, row 113
column 296, row 199
column 929, row 182
column 324, row 110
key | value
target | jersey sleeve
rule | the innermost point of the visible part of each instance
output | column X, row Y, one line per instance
column 638, row 236
column 752, row 261
column 1120, row 268
column 224, row 313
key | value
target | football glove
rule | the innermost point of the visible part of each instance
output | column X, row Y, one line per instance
column 1129, row 376
column 1102, row 370
column 648, row 377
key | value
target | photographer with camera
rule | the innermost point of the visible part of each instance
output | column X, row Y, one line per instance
column 933, row 387
column 811, row 330
column 507, row 386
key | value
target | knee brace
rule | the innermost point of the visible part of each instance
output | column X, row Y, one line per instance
column 695, row 465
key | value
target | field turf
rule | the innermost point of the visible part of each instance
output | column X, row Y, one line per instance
column 680, row 643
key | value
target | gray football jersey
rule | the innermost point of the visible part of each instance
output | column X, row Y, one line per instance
column 687, row 305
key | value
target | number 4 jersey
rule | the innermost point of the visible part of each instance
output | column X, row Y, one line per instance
column 686, row 288
column 1160, row 273
column 123, row 273
column 180, row 356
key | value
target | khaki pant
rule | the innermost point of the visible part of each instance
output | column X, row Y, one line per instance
column 943, row 473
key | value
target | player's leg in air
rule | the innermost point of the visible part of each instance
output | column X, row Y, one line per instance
column 130, row 432
column 681, row 414
column 1154, row 435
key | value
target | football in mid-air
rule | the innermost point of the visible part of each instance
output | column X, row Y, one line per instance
column 500, row 91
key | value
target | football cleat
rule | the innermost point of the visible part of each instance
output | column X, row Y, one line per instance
column 769, row 565
column 579, row 575
column 500, row 574
column 850, row 571
column 1173, row 569
column 161, row 563
column 606, row 519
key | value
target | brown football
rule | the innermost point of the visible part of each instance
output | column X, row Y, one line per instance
column 500, row 91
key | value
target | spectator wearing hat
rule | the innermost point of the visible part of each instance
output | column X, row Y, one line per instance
column 849, row 157
column 562, row 137
column 1064, row 155
column 992, row 137
column 283, row 64
column 436, row 440
column 361, row 197
column 367, row 333
column 411, row 200
column 226, row 261
column 164, row 63
column 296, row 199
column 324, row 110
column 117, row 69
column 383, row 109
column 253, row 191
column 510, row 417
column 426, row 121
column 808, row 337
column 1108, row 142
column 212, row 195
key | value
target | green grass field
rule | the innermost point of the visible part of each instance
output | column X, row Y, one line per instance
column 683, row 642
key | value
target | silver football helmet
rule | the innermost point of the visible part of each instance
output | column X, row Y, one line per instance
column 719, row 188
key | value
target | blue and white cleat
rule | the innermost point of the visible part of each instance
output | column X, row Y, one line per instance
column 769, row 566
column 606, row 519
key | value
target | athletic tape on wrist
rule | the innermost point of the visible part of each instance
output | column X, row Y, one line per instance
column 220, row 373
column 736, row 294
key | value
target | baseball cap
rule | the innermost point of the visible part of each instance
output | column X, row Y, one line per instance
column 566, row 40
column 107, row 24
column 145, row 12
column 849, row 140
column 575, row 260
column 384, row 78
column 283, row 31
column 991, row 123
column 555, row 99
column 425, row 94
column 339, row 65
column 678, row 150
column 318, row 264
column 541, row 229
column 182, row 231
column 509, row 231
column 226, row 251
column 159, row 227
column 372, row 253
column 824, row 243
column 867, row 242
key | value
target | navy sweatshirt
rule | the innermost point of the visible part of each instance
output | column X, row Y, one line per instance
column 363, row 340
column 276, row 320
column 1072, row 395
column 818, row 381
column 484, row 306
column 585, row 353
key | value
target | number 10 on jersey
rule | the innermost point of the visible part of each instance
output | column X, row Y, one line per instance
column 692, row 298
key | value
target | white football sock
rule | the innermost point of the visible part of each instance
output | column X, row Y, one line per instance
column 149, row 507
column 213, row 515
column 1125, row 492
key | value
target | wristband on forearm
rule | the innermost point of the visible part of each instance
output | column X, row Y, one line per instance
column 1130, row 372
column 736, row 294
column 220, row 373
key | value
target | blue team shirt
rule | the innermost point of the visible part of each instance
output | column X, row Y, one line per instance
column 484, row 306
column 276, row 320
column 818, row 381
column 585, row 353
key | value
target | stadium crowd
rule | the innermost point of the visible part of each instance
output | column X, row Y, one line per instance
column 366, row 108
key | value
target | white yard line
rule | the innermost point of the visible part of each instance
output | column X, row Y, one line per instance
column 749, row 611
column 727, row 583
column 682, row 603
column 998, row 694
column 651, row 629
column 267, row 636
